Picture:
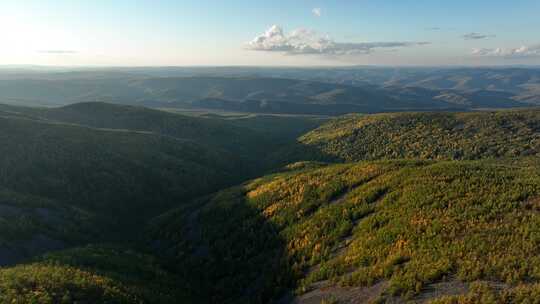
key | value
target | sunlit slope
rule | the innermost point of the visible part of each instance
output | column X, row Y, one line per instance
column 401, row 227
column 473, row 135
column 93, row 274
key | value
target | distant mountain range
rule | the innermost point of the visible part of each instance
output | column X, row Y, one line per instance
column 286, row 91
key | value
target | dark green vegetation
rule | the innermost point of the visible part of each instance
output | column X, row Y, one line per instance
column 118, row 178
column 93, row 274
column 243, row 135
column 407, row 224
column 444, row 207
column 31, row 225
column 213, row 133
column 473, row 135
column 95, row 172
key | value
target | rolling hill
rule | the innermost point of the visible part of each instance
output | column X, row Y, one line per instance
column 328, row 91
column 426, row 231
column 64, row 184
column 94, row 171
column 472, row 135
column 124, row 204
column 244, row 94
column 504, row 85
column 216, row 133
column 79, row 164
column 249, row 137
column 91, row 274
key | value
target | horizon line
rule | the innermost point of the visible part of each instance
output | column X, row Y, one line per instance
column 23, row 66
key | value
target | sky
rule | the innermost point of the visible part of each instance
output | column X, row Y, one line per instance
column 269, row 33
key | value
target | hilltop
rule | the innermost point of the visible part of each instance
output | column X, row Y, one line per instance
column 242, row 94
column 244, row 135
column 474, row 135
column 212, row 132
column 64, row 184
column 328, row 91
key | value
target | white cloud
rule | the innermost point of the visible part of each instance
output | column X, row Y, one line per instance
column 317, row 12
column 487, row 52
column 306, row 42
column 520, row 52
column 476, row 36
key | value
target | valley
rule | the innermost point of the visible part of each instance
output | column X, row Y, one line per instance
column 269, row 152
column 114, row 203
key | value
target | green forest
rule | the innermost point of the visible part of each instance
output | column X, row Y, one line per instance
column 104, row 203
column 458, row 136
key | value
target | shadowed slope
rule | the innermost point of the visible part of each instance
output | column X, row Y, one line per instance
column 62, row 184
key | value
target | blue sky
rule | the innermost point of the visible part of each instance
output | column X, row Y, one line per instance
column 279, row 32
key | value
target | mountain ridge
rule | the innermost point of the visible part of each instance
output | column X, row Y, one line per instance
column 259, row 94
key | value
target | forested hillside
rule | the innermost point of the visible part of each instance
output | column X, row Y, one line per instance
column 212, row 132
column 474, row 135
column 86, row 165
column 123, row 204
column 92, row 274
column 94, row 172
column 62, row 184
column 269, row 152
column 245, row 136
column 375, row 231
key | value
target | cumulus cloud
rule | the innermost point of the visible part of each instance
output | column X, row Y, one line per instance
column 487, row 52
column 306, row 42
column 476, row 36
column 317, row 12
column 57, row 52
column 522, row 51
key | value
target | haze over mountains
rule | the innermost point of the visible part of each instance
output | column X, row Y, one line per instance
column 280, row 90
